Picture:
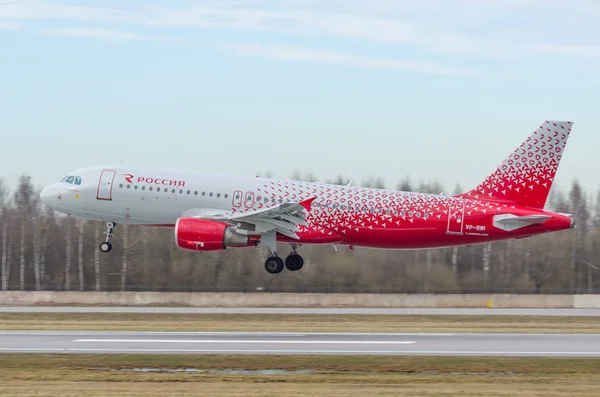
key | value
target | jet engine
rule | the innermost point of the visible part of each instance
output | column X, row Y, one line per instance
column 205, row 235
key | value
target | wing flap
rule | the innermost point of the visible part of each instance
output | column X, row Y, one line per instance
column 283, row 218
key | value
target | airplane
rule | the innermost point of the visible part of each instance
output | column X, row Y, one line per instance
column 210, row 212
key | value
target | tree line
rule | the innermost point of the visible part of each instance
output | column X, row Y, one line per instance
column 45, row 251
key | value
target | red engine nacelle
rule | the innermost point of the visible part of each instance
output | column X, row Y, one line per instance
column 204, row 235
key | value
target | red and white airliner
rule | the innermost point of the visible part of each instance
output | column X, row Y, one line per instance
column 213, row 212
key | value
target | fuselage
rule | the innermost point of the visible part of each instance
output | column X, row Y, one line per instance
column 346, row 215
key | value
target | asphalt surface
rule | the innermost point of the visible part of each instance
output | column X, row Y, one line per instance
column 548, row 345
column 288, row 310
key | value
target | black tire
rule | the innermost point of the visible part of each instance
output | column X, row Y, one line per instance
column 294, row 262
column 274, row 264
column 105, row 247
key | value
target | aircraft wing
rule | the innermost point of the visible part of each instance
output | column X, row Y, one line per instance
column 283, row 218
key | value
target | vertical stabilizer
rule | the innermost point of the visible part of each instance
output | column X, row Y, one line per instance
column 525, row 177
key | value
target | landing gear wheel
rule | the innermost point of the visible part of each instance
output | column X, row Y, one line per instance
column 294, row 262
column 274, row 264
column 105, row 246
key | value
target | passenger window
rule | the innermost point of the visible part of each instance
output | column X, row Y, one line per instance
column 158, row 189
column 121, row 186
column 135, row 187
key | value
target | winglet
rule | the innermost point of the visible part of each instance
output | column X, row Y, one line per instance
column 307, row 203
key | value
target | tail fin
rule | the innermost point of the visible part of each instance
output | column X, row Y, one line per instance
column 525, row 177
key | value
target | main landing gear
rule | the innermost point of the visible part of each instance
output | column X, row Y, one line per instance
column 106, row 245
column 293, row 262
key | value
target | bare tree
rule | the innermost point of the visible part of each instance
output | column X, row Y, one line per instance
column 97, row 256
column 124, row 264
column 68, row 256
column 80, row 253
column 22, row 257
column 4, row 218
column 43, row 245
column 24, row 199
column 36, row 254
column 581, row 213
column 8, row 262
column 5, row 250
column 405, row 185
column 487, row 249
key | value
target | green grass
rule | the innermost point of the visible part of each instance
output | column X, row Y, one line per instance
column 296, row 322
column 98, row 375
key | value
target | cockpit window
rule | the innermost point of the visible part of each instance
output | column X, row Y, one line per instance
column 76, row 180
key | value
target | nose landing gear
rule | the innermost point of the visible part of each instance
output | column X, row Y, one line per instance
column 106, row 245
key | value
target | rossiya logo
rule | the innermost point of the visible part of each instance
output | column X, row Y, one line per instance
column 128, row 178
column 155, row 181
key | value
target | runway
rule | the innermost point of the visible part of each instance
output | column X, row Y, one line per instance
column 447, row 344
column 287, row 310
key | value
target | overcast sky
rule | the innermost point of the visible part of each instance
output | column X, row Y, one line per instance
column 429, row 88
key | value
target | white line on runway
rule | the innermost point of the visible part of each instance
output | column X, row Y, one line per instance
column 234, row 333
column 250, row 333
column 340, row 342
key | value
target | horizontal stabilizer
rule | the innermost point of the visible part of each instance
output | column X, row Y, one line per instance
column 531, row 219
column 511, row 222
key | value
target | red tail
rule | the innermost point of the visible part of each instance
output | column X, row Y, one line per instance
column 526, row 176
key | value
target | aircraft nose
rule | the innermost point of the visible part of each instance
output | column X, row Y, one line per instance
column 49, row 195
column 44, row 195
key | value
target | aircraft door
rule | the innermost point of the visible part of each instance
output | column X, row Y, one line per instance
column 456, row 218
column 105, row 185
column 249, row 202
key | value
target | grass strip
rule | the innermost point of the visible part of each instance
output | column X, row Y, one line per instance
column 98, row 375
column 296, row 322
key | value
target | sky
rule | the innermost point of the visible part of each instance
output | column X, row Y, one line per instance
column 432, row 89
